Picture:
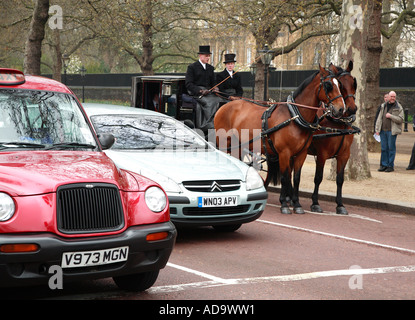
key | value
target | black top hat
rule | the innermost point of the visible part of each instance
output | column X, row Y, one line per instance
column 204, row 50
column 229, row 57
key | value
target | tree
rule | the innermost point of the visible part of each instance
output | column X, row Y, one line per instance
column 397, row 16
column 265, row 19
column 360, row 40
column 33, row 48
column 147, row 30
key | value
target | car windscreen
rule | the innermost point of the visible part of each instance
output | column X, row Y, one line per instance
column 43, row 120
column 147, row 132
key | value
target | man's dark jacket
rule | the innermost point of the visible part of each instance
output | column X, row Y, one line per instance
column 234, row 82
column 198, row 78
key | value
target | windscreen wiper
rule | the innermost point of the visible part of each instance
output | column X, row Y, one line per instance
column 7, row 145
column 70, row 145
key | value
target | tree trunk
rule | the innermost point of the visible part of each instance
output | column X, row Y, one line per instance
column 57, row 55
column 371, row 70
column 360, row 41
column 33, row 49
column 147, row 58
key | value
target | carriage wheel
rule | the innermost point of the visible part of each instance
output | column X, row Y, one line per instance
column 256, row 160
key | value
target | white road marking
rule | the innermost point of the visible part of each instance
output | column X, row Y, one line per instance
column 202, row 274
column 371, row 243
column 334, row 214
column 216, row 281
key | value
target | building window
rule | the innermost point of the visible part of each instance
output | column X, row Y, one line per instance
column 299, row 56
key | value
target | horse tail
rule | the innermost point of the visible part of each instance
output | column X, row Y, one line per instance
column 273, row 175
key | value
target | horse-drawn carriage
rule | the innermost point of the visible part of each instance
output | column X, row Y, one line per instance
column 289, row 130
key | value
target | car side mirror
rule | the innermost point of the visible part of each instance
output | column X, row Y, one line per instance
column 106, row 140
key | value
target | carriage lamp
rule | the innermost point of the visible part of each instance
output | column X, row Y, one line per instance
column 266, row 55
column 166, row 89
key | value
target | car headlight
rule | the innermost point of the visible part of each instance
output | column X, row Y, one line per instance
column 166, row 183
column 156, row 199
column 253, row 179
column 7, row 207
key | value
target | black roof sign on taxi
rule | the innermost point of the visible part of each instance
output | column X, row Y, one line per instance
column 11, row 77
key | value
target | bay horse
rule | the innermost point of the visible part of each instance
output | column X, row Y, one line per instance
column 285, row 134
column 336, row 144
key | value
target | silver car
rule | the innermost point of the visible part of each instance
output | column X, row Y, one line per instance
column 205, row 186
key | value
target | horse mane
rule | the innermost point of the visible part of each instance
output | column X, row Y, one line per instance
column 304, row 84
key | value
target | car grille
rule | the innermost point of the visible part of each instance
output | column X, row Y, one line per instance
column 89, row 208
column 212, row 185
column 195, row 211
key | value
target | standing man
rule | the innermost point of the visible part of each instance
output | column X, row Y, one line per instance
column 229, row 82
column 385, row 99
column 388, row 126
column 200, row 83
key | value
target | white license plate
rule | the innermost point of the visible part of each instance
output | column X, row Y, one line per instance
column 94, row 258
column 223, row 201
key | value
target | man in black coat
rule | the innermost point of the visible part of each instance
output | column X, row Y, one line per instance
column 229, row 82
column 200, row 83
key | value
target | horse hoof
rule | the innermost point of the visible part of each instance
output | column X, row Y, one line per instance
column 341, row 210
column 316, row 208
column 285, row 210
column 299, row 210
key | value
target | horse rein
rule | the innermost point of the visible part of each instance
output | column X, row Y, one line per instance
column 217, row 85
column 267, row 103
column 263, row 103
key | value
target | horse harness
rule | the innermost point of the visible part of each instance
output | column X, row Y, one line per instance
column 295, row 116
column 335, row 132
column 299, row 120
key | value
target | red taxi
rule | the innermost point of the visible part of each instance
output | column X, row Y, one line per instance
column 64, row 205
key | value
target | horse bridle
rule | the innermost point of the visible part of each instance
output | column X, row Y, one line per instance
column 338, row 76
column 351, row 118
column 322, row 81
